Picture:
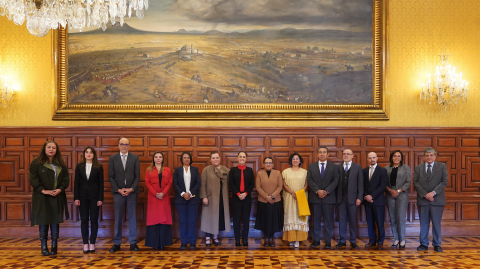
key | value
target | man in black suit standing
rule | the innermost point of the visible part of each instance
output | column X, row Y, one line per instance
column 430, row 181
column 124, row 175
column 322, row 178
column 375, row 182
column 349, row 197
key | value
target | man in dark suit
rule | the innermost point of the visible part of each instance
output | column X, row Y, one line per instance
column 322, row 178
column 375, row 182
column 349, row 197
column 124, row 175
column 430, row 181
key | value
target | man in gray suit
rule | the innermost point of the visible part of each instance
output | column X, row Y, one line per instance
column 349, row 197
column 322, row 178
column 430, row 180
column 124, row 175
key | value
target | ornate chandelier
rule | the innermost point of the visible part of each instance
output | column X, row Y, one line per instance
column 43, row 15
column 447, row 88
column 7, row 92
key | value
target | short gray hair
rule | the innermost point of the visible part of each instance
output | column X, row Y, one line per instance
column 429, row 150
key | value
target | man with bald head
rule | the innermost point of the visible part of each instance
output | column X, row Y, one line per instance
column 349, row 197
column 375, row 182
column 124, row 175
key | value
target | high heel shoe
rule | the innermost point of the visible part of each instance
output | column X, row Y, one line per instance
column 394, row 246
column 216, row 242
column 208, row 243
column 92, row 250
column 402, row 247
column 266, row 242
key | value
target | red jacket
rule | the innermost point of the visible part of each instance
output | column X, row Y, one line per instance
column 158, row 211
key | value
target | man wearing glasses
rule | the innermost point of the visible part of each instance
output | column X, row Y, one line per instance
column 124, row 175
column 349, row 197
column 322, row 178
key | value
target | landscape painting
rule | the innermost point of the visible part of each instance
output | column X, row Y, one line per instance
column 229, row 52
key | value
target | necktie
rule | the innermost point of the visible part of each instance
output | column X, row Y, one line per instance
column 371, row 173
column 242, row 179
column 322, row 171
column 346, row 167
column 429, row 171
column 124, row 161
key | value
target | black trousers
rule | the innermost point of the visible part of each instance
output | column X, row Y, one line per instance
column 241, row 210
column 89, row 210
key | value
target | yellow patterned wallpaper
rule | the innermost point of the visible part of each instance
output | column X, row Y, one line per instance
column 417, row 32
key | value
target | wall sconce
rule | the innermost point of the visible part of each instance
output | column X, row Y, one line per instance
column 7, row 92
column 447, row 87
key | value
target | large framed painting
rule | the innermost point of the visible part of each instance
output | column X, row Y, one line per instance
column 228, row 60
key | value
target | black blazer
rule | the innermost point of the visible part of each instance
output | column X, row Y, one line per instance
column 234, row 179
column 328, row 183
column 179, row 185
column 376, row 186
column 92, row 188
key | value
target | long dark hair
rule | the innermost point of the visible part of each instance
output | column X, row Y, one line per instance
column 95, row 159
column 152, row 165
column 57, row 158
column 391, row 157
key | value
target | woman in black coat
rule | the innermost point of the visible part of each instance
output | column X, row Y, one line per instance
column 242, row 182
column 49, row 178
column 186, row 181
column 88, row 195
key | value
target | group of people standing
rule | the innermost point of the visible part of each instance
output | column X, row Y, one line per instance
column 347, row 185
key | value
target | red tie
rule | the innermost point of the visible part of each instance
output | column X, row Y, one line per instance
column 242, row 184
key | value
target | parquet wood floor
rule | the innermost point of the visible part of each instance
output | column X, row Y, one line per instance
column 459, row 252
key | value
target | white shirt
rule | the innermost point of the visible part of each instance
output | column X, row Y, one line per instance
column 88, row 169
column 126, row 158
column 349, row 165
column 320, row 166
column 187, row 177
column 426, row 166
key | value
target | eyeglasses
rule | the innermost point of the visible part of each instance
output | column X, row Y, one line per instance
column 268, row 163
column 295, row 159
column 124, row 144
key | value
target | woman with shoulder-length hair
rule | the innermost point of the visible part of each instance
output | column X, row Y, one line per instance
column 49, row 178
column 399, row 180
column 214, row 195
column 269, row 184
column 242, row 182
column 88, row 195
column 186, row 181
column 158, row 180
column 294, row 179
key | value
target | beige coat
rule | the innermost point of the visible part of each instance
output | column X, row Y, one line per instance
column 210, row 188
column 266, row 186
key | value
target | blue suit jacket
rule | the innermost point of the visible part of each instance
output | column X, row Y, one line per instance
column 179, row 185
column 376, row 186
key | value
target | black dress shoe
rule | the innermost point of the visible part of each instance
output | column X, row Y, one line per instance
column 217, row 242
column 438, row 249
column 380, row 246
column 193, row 246
column 354, row 245
column 266, row 242
column 115, row 248
column 370, row 244
column 328, row 245
column 134, row 247
column 339, row 245
column 422, row 248
column 272, row 242
column 315, row 244
column 159, row 248
column 183, row 246
column 401, row 247
column 237, row 244
column 245, row 243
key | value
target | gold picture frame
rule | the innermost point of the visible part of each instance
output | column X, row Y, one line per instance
column 377, row 110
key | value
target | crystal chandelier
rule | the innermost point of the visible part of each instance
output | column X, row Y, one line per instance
column 447, row 88
column 7, row 92
column 43, row 15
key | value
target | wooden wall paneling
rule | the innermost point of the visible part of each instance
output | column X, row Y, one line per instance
column 458, row 147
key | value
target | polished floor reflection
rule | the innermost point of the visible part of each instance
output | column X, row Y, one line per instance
column 458, row 252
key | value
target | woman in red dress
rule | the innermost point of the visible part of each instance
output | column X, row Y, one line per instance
column 158, row 180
